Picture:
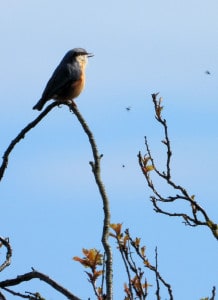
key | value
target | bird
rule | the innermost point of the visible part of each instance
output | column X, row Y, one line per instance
column 67, row 80
column 207, row 72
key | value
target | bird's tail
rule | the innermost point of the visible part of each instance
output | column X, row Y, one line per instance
column 39, row 105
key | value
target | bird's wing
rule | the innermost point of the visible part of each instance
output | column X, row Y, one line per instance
column 62, row 76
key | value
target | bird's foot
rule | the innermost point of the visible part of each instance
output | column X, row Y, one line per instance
column 71, row 103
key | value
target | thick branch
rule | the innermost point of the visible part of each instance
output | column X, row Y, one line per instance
column 106, row 207
column 33, row 275
column 2, row 297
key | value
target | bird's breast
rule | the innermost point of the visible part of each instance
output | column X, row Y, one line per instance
column 71, row 90
column 77, row 86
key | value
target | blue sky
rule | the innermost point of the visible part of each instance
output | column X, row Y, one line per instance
column 50, row 204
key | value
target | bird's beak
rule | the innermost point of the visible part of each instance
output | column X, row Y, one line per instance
column 90, row 54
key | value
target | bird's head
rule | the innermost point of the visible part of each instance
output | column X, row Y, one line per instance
column 78, row 54
column 81, row 55
column 81, row 52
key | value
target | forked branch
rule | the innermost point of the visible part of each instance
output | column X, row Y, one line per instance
column 197, row 215
column 38, row 275
column 95, row 164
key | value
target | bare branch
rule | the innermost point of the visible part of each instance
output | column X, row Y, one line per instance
column 7, row 262
column 197, row 215
column 106, row 207
column 16, row 293
column 157, row 279
column 96, row 171
column 158, row 109
column 21, row 135
column 2, row 297
column 33, row 275
column 129, row 248
column 150, row 267
column 213, row 293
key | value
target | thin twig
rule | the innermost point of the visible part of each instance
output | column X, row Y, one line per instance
column 93, row 284
column 7, row 262
column 152, row 268
column 124, row 255
column 138, row 273
column 21, row 135
column 157, row 279
column 158, row 109
column 213, row 293
column 128, row 266
column 16, row 293
column 197, row 215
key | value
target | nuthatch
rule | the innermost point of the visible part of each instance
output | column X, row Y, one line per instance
column 68, row 79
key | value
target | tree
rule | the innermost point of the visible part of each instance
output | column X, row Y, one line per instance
column 133, row 254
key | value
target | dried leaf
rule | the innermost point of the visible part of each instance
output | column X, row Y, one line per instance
column 117, row 228
column 143, row 251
